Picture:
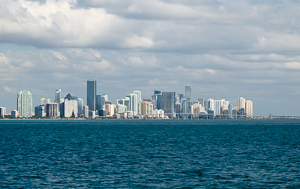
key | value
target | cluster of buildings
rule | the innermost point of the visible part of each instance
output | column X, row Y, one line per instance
column 161, row 105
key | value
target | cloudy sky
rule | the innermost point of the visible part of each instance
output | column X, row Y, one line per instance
column 222, row 49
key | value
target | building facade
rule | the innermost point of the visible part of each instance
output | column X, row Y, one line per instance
column 168, row 103
column 52, row 110
column 2, row 112
column 57, row 96
column 241, row 104
column 249, row 108
column 24, row 104
column 91, row 94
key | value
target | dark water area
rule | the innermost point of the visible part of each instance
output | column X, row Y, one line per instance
column 150, row 154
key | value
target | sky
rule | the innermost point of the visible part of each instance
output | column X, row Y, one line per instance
column 222, row 49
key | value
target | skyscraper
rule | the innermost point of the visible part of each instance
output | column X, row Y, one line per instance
column 69, row 106
column 24, row 104
column 249, row 108
column 2, row 112
column 188, row 93
column 156, row 99
column 52, row 110
column 100, row 102
column 138, row 95
column 91, row 94
column 80, row 106
column 133, row 104
column 168, row 103
column 241, row 104
column 57, row 96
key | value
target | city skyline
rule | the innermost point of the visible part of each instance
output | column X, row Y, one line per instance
column 187, row 89
column 223, row 49
column 160, row 105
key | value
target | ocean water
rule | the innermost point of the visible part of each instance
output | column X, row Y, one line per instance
column 150, row 154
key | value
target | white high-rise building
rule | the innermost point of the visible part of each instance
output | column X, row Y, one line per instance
column 138, row 95
column 70, row 106
column 144, row 108
column 24, row 104
column 2, row 112
column 57, row 96
column 105, row 96
column 139, row 98
column 80, row 106
column 133, row 104
column 219, row 104
column 211, row 104
column 123, row 105
column 249, row 108
column 241, row 103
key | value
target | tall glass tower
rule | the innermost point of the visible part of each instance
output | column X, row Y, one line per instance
column 24, row 104
column 188, row 93
column 168, row 103
column 91, row 94
column 57, row 96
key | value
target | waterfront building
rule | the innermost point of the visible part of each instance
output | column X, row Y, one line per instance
column 110, row 108
column 241, row 104
column 209, row 105
column 134, row 104
column 92, row 114
column 14, row 114
column 57, row 96
column 100, row 102
column 157, row 99
column 121, row 108
column 158, row 113
column 40, row 111
column 224, row 110
column 52, row 110
column 219, row 104
column 197, row 109
column 69, row 108
column 123, row 105
column 91, row 94
column 178, row 110
column 168, row 103
column 102, row 113
column 80, row 107
column 2, row 112
column 24, row 104
column 249, row 108
column 138, row 98
column 230, row 108
column 130, row 114
column 144, row 108
column 85, row 111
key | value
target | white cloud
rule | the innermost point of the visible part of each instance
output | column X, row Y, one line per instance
column 4, row 59
column 7, row 89
column 218, row 47
column 58, row 55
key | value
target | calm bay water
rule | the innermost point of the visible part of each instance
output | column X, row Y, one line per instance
column 150, row 154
